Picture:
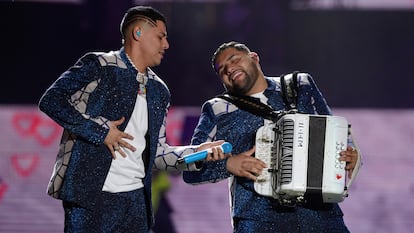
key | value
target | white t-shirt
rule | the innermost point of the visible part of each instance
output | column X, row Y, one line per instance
column 126, row 174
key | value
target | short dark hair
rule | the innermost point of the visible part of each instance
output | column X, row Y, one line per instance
column 140, row 12
column 232, row 44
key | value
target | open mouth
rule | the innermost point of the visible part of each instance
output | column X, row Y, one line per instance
column 236, row 75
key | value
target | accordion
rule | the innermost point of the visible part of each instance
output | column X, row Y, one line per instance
column 302, row 153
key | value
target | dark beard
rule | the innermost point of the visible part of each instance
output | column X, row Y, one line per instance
column 247, row 84
column 239, row 90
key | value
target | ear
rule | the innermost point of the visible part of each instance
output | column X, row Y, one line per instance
column 254, row 56
column 136, row 33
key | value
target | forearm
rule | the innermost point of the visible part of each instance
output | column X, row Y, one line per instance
column 167, row 156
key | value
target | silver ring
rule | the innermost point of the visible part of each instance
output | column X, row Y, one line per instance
column 116, row 148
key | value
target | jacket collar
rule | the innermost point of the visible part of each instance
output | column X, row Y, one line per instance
column 151, row 74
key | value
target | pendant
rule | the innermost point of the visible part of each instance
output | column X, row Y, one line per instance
column 142, row 89
column 142, row 79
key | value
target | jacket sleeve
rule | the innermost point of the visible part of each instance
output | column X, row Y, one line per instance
column 66, row 100
column 167, row 156
column 211, row 171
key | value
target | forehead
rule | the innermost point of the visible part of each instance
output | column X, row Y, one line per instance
column 160, row 27
column 226, row 55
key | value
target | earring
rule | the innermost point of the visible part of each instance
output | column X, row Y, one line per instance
column 138, row 33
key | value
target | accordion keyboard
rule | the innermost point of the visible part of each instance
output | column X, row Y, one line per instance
column 265, row 151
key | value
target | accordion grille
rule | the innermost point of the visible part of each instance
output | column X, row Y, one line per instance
column 287, row 151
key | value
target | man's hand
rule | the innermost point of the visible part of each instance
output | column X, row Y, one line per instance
column 245, row 165
column 115, row 139
column 350, row 156
column 216, row 152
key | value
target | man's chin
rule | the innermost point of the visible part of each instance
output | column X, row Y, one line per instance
column 156, row 63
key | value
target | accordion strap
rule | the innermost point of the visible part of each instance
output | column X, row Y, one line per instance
column 289, row 92
column 252, row 105
column 289, row 87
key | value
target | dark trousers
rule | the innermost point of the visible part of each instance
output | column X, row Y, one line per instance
column 117, row 212
column 332, row 225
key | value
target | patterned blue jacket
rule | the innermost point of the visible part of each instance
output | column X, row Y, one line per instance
column 99, row 88
column 221, row 119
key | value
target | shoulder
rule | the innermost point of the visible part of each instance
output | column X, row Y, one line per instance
column 104, row 59
column 302, row 78
column 273, row 79
column 219, row 106
column 111, row 58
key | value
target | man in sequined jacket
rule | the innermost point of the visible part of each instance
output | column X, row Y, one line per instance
column 113, row 109
column 241, row 75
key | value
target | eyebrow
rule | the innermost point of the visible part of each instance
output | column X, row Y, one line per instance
column 228, row 59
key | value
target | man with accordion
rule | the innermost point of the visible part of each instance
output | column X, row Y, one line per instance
column 292, row 161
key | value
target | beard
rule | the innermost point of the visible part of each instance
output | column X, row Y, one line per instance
column 242, row 87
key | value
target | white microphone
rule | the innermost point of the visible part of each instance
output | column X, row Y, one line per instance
column 200, row 155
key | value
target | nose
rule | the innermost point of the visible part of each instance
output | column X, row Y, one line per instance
column 166, row 44
column 229, row 69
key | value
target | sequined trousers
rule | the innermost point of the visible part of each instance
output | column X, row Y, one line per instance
column 114, row 212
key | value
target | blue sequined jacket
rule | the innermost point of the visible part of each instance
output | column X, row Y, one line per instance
column 99, row 88
column 223, row 120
